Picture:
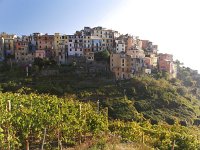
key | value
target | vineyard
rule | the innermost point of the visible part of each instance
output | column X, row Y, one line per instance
column 38, row 121
column 32, row 121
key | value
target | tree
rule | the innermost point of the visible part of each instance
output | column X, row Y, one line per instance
column 39, row 62
column 182, row 91
column 102, row 56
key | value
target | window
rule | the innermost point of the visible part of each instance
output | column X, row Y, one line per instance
column 70, row 49
column 122, row 69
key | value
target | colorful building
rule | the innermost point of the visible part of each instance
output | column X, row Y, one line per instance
column 151, row 61
column 75, row 45
column 22, row 52
column 165, row 63
column 7, row 43
column 40, row 54
column 120, row 65
column 119, row 46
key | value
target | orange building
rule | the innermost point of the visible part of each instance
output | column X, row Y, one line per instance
column 165, row 63
column 22, row 53
column 145, row 44
column 125, row 65
column 45, row 42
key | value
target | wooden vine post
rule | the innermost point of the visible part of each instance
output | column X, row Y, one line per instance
column 8, row 108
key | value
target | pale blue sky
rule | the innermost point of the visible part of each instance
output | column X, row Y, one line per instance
column 173, row 25
column 65, row 16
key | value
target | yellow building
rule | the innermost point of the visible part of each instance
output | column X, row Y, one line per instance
column 60, row 48
column 57, row 38
column 63, row 49
column 87, row 44
column 120, row 65
column 7, row 43
column 89, row 56
column 106, row 35
column 126, row 64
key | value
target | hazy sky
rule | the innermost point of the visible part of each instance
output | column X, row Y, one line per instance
column 174, row 25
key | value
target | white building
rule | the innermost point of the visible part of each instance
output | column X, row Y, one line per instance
column 75, row 45
column 119, row 46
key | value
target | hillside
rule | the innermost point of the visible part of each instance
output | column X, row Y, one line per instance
column 43, row 121
column 154, row 97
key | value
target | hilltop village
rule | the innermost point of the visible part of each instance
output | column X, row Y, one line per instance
column 129, row 55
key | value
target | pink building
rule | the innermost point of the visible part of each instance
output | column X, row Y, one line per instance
column 165, row 57
column 165, row 63
column 40, row 54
